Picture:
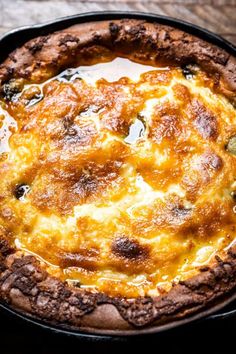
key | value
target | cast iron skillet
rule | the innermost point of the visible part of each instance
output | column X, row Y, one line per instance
column 15, row 38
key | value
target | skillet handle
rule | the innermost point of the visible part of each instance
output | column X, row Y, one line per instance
column 224, row 315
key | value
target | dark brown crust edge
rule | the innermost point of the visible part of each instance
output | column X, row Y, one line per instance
column 138, row 39
column 24, row 284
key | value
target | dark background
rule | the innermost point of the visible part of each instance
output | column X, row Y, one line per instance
column 219, row 336
column 206, row 336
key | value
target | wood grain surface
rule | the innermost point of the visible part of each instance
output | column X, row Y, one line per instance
column 218, row 16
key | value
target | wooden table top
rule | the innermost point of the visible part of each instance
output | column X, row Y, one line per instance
column 218, row 16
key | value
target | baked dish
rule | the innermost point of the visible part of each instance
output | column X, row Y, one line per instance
column 117, row 176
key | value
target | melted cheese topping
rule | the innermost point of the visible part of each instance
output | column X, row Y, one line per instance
column 116, row 175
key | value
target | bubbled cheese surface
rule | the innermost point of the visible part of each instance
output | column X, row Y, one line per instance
column 127, row 184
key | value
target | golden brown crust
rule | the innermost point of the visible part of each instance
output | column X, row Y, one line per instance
column 24, row 285
column 28, row 287
column 43, row 57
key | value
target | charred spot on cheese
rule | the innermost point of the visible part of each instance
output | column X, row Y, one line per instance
column 68, row 125
column 63, row 195
column 21, row 190
column 212, row 161
column 86, row 185
column 205, row 121
column 70, row 132
column 231, row 146
column 129, row 249
column 68, row 187
column 179, row 211
column 208, row 165
column 76, row 134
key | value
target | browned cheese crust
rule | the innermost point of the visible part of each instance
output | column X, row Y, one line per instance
column 25, row 283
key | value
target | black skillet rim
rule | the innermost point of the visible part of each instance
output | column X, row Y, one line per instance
column 17, row 37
